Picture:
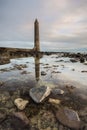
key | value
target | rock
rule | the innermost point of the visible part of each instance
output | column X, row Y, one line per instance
column 82, row 60
column 54, row 101
column 24, row 72
column 83, row 112
column 68, row 117
column 40, row 93
column 9, row 104
column 73, row 69
column 56, row 72
column 84, row 71
column 73, row 60
column 57, row 91
column 20, row 67
column 22, row 116
column 85, row 63
column 20, row 103
column 61, row 127
column 4, row 97
column 2, row 115
column 19, row 121
column 1, row 83
column 43, row 73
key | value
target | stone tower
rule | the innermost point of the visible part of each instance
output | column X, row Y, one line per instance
column 36, row 36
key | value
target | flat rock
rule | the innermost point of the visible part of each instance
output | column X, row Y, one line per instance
column 40, row 93
column 54, row 101
column 57, row 91
column 68, row 117
column 20, row 103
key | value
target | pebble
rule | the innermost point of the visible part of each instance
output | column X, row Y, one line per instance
column 20, row 103
column 54, row 101
column 43, row 73
column 57, row 91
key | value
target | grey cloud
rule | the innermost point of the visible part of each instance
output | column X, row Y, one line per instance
column 66, row 16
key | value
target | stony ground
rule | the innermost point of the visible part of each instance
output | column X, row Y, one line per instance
column 40, row 116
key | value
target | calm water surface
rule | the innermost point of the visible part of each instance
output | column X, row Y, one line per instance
column 59, row 72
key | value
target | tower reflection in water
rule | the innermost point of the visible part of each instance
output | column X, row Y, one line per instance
column 37, row 67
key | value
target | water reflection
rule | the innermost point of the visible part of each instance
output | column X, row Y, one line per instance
column 37, row 67
column 5, row 59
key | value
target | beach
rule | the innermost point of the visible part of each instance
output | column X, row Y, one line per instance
column 64, row 71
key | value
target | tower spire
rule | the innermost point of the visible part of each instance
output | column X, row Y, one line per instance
column 36, row 36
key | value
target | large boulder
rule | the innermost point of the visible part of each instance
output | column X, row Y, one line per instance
column 38, row 94
column 68, row 117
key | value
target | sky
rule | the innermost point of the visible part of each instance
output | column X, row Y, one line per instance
column 62, row 23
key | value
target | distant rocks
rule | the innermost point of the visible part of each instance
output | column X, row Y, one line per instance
column 20, row 103
column 68, row 117
column 84, row 71
column 82, row 59
column 20, row 67
column 56, row 72
column 73, row 60
column 40, row 93
column 24, row 72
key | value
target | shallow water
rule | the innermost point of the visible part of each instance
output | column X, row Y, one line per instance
column 60, row 71
column 21, row 74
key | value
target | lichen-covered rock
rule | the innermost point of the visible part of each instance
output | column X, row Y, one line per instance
column 40, row 93
column 20, row 103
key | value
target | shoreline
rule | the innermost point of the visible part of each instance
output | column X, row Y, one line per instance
column 24, row 73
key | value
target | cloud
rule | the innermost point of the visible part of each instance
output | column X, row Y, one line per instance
column 61, row 21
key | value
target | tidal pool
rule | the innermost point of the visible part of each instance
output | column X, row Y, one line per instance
column 58, row 70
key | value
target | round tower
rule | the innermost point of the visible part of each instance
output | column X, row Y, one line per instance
column 36, row 36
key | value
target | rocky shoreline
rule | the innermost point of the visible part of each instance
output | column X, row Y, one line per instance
column 38, row 107
column 47, row 115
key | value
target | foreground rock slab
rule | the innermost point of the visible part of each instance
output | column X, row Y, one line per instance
column 68, row 117
column 20, row 103
column 40, row 93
